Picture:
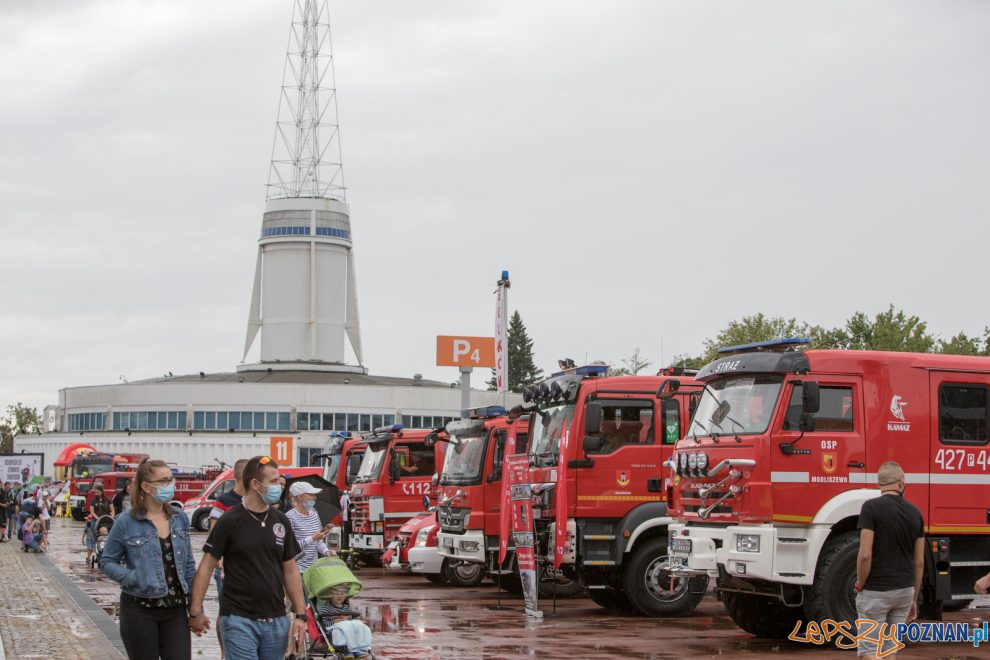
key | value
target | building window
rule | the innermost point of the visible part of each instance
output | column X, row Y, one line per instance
column 87, row 421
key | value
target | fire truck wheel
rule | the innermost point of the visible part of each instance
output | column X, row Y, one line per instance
column 202, row 522
column 832, row 596
column 611, row 599
column 463, row 574
column 647, row 583
column 761, row 616
column 564, row 587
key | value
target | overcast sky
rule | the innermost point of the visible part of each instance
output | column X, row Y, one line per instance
column 642, row 169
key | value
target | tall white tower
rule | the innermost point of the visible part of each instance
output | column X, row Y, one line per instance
column 304, row 302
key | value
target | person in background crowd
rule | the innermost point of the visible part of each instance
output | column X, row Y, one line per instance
column 5, row 497
column 28, row 508
column 345, row 520
column 11, row 512
column 258, row 549
column 281, row 482
column 149, row 553
column 221, row 505
column 45, row 513
column 28, row 536
column 306, row 525
column 99, row 506
column 891, row 557
column 121, row 502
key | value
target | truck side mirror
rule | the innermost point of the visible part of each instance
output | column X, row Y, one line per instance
column 668, row 388
column 811, row 398
column 592, row 443
column 593, row 418
column 394, row 469
column 807, row 423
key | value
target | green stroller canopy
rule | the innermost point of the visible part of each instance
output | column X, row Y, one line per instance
column 326, row 573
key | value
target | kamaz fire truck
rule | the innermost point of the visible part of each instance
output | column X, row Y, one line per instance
column 616, row 434
column 469, row 491
column 784, row 449
column 396, row 472
column 343, row 455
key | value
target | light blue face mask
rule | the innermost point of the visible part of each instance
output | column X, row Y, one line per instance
column 273, row 494
column 310, row 505
column 164, row 494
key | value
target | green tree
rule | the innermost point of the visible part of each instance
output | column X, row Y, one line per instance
column 20, row 419
column 522, row 367
column 755, row 328
column 962, row 344
column 891, row 330
column 635, row 363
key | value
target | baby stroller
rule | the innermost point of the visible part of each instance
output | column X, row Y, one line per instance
column 100, row 531
column 319, row 580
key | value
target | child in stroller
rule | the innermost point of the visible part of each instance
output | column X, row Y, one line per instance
column 329, row 586
column 101, row 529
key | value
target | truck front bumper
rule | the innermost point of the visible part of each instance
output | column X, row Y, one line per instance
column 469, row 546
column 762, row 552
column 425, row 560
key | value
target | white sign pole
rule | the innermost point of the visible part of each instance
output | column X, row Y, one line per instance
column 502, row 333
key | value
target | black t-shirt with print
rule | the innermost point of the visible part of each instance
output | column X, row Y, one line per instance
column 252, row 556
column 897, row 525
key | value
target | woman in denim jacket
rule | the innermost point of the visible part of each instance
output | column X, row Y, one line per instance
column 149, row 553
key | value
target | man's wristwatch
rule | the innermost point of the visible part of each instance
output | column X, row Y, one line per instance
column 301, row 617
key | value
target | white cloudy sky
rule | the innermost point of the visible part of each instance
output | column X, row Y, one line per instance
column 642, row 168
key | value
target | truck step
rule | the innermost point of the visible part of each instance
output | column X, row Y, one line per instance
column 594, row 562
column 599, row 537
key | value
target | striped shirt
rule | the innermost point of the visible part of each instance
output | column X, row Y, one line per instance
column 303, row 528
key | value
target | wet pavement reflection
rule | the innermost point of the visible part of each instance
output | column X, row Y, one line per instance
column 413, row 618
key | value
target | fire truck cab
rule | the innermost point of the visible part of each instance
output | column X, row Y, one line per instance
column 85, row 468
column 469, row 489
column 617, row 434
column 783, row 451
column 343, row 455
column 396, row 472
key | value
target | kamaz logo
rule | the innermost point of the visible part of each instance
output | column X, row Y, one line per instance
column 897, row 407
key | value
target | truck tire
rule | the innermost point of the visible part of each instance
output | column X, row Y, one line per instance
column 463, row 574
column 551, row 583
column 202, row 521
column 645, row 581
column 612, row 600
column 761, row 615
column 832, row 595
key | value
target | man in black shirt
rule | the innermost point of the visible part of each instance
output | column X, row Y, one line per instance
column 892, row 530
column 258, row 550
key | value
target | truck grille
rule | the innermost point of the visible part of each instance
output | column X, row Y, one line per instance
column 452, row 519
column 690, row 502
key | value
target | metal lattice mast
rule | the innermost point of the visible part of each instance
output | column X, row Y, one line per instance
column 306, row 155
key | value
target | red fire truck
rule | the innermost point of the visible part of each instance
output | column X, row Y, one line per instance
column 189, row 482
column 617, row 434
column 395, row 473
column 784, row 449
column 469, row 490
column 85, row 468
column 343, row 456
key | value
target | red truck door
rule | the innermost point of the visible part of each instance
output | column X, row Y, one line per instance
column 629, row 457
column 403, row 497
column 830, row 458
column 959, row 497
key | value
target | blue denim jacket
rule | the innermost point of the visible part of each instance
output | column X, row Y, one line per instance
column 132, row 555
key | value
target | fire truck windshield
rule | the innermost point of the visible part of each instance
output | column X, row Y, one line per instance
column 84, row 469
column 546, row 428
column 371, row 465
column 465, row 460
column 736, row 405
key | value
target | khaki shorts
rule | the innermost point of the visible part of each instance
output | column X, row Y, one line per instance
column 883, row 607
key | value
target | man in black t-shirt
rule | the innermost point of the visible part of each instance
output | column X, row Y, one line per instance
column 258, row 549
column 891, row 556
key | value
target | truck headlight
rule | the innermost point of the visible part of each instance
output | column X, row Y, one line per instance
column 702, row 462
column 748, row 543
column 469, row 546
column 692, row 461
column 682, row 462
column 422, row 536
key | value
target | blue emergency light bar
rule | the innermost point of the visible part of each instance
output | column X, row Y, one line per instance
column 770, row 345
column 394, row 428
column 589, row 371
column 486, row 412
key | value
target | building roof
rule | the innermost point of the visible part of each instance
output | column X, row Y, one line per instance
column 295, row 378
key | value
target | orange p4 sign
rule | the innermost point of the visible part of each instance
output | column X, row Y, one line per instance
column 465, row 351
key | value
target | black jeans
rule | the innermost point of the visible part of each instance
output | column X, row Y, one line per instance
column 150, row 634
